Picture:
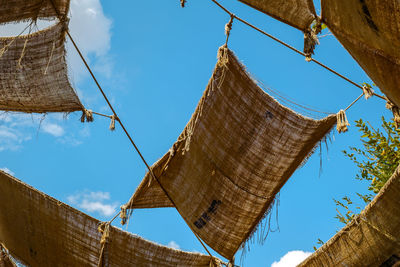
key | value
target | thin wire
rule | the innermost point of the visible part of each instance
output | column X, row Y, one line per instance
column 123, row 127
column 292, row 48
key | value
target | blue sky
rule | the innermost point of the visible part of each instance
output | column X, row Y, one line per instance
column 154, row 60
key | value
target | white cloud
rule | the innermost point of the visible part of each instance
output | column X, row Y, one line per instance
column 291, row 259
column 10, row 137
column 53, row 129
column 17, row 128
column 91, row 29
column 94, row 202
column 173, row 244
column 7, row 170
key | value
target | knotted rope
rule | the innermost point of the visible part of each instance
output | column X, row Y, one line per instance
column 342, row 122
column 396, row 112
column 228, row 28
column 368, row 92
column 103, row 228
column 87, row 115
column 123, row 214
column 112, row 124
column 183, row 2
column 311, row 39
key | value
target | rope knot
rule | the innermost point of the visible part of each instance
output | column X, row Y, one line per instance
column 87, row 115
column 368, row 91
column 228, row 26
column 342, row 122
column 112, row 124
column 310, row 42
column 104, row 228
column 396, row 113
column 183, row 2
column 311, row 39
column 123, row 214
column 223, row 56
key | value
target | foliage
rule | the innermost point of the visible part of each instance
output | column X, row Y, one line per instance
column 376, row 160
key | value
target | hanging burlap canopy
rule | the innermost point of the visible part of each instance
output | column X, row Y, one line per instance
column 370, row 31
column 237, row 151
column 41, row 231
column 371, row 238
column 33, row 73
column 21, row 10
column 297, row 13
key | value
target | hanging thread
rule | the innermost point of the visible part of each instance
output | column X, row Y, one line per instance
column 51, row 57
column 342, row 122
column 22, row 54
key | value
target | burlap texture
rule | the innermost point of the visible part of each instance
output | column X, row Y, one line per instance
column 297, row 13
column 41, row 231
column 21, row 10
column 371, row 238
column 235, row 154
column 33, row 74
column 370, row 31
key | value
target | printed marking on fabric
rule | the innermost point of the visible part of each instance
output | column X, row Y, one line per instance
column 206, row 216
column 269, row 115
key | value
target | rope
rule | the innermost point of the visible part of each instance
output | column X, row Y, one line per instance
column 103, row 228
column 123, row 127
column 228, row 28
column 355, row 101
column 291, row 48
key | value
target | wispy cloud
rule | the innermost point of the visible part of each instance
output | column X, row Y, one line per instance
column 291, row 259
column 97, row 202
column 92, row 28
column 53, row 129
column 173, row 244
column 17, row 128
column 7, row 170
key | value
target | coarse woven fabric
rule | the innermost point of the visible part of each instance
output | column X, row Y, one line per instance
column 33, row 73
column 371, row 238
column 297, row 13
column 24, row 10
column 370, row 31
column 41, row 231
column 235, row 154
